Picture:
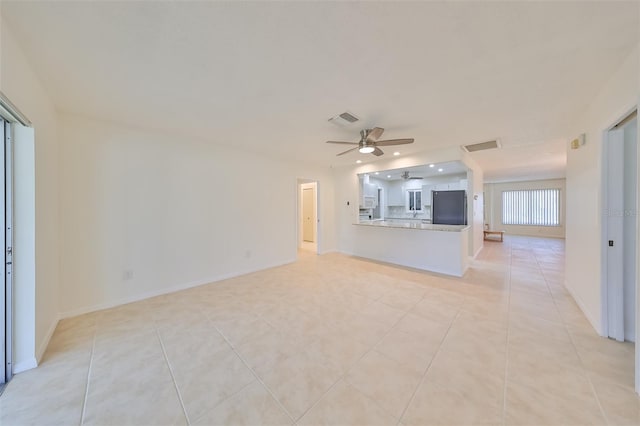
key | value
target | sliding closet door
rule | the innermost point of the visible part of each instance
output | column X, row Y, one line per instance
column 6, row 298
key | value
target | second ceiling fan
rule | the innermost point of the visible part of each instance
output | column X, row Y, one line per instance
column 369, row 142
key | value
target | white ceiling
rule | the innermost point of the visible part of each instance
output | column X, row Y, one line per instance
column 267, row 76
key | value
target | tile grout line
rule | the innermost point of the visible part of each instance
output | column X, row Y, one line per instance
column 173, row 377
column 506, row 361
column 344, row 375
column 246, row 364
column 86, row 390
column 231, row 396
column 575, row 347
column 424, row 375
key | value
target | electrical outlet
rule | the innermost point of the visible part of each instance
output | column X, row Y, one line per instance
column 127, row 274
column 247, row 254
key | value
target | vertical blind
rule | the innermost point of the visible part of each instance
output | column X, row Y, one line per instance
column 537, row 207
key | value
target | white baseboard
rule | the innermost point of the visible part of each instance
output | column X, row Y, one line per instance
column 166, row 290
column 478, row 251
column 328, row 251
column 595, row 324
column 25, row 365
column 45, row 342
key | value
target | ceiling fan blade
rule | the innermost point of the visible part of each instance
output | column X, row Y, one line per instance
column 389, row 142
column 416, row 177
column 343, row 143
column 349, row 150
column 375, row 133
column 378, row 152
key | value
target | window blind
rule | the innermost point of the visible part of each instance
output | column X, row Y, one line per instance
column 536, row 207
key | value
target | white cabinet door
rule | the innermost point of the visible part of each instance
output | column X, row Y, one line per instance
column 395, row 196
column 370, row 190
column 426, row 194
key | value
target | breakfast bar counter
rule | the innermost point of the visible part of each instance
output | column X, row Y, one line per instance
column 436, row 248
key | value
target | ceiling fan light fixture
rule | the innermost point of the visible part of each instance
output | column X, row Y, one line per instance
column 367, row 149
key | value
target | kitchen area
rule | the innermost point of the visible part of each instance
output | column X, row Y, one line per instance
column 407, row 194
column 415, row 216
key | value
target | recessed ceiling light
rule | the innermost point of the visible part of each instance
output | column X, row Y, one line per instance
column 389, row 176
column 377, row 173
column 359, row 161
column 396, row 153
column 439, row 170
column 432, row 165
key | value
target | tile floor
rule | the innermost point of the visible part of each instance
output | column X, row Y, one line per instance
column 337, row 340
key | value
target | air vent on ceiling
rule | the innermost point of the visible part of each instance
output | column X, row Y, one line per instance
column 481, row 146
column 344, row 118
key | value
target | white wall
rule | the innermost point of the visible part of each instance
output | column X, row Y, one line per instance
column 475, row 193
column 173, row 211
column 36, row 280
column 584, row 188
column 493, row 207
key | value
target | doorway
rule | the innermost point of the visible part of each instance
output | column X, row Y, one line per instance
column 620, row 228
column 308, row 215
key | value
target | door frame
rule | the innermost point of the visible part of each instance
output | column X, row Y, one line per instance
column 309, row 190
column 317, row 226
column 6, row 219
column 604, row 287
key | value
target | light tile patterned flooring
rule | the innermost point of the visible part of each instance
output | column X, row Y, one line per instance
column 337, row 340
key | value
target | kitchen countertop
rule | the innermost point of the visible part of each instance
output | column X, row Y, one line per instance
column 407, row 218
column 411, row 224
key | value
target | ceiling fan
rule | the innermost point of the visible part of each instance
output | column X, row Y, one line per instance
column 369, row 142
column 405, row 176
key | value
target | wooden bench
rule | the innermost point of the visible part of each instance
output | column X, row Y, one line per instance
column 490, row 233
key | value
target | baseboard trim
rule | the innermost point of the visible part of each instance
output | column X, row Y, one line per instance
column 328, row 251
column 478, row 251
column 166, row 290
column 45, row 342
column 584, row 310
column 25, row 365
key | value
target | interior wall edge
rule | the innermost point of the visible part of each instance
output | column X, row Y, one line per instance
column 591, row 318
column 42, row 347
column 165, row 290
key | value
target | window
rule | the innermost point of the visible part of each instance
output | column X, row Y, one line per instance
column 414, row 200
column 537, row 207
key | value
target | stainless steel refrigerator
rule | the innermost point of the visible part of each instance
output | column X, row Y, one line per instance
column 449, row 207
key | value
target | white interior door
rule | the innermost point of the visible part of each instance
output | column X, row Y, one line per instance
column 4, row 377
column 630, row 221
column 615, row 234
column 308, row 214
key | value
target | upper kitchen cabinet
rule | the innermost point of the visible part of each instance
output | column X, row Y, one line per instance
column 368, row 193
column 451, row 186
column 395, row 194
column 426, row 194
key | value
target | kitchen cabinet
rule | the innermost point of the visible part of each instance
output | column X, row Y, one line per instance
column 395, row 194
column 370, row 190
column 451, row 186
column 368, row 194
column 426, row 194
